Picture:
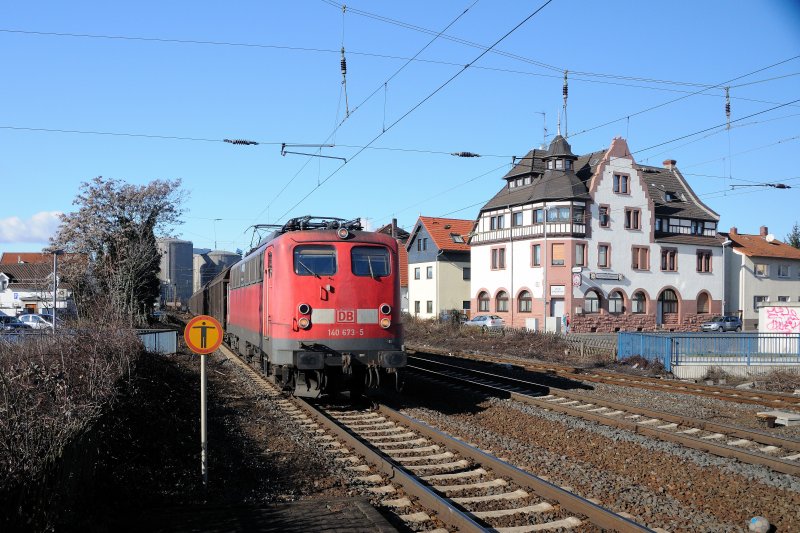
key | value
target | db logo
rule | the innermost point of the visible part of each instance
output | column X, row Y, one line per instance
column 345, row 315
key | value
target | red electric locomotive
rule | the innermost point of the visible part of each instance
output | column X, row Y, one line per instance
column 318, row 301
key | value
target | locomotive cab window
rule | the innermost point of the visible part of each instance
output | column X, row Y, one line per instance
column 314, row 260
column 370, row 261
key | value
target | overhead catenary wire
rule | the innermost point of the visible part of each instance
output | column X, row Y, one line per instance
column 418, row 104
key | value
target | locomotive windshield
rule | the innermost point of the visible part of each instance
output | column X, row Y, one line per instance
column 314, row 260
column 370, row 261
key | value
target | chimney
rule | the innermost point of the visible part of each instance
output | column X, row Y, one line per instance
column 734, row 230
column 670, row 163
column 764, row 231
column 394, row 228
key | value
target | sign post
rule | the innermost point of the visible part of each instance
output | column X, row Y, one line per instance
column 203, row 335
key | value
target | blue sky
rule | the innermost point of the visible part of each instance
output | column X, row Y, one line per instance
column 275, row 93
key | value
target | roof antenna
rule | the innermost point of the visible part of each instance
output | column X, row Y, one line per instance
column 544, row 129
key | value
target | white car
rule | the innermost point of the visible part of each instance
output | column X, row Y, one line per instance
column 485, row 321
column 35, row 321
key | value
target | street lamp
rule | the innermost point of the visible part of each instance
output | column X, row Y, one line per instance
column 55, row 253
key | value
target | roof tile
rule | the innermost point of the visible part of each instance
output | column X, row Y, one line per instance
column 441, row 230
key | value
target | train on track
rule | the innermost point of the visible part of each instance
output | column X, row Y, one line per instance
column 317, row 302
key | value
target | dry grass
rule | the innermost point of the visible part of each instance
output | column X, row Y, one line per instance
column 517, row 342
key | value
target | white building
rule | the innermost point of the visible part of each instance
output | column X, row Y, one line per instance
column 761, row 271
column 28, row 288
column 614, row 244
column 438, row 266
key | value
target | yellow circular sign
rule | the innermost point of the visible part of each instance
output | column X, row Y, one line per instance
column 203, row 334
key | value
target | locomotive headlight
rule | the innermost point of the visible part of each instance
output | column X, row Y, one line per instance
column 386, row 322
column 385, row 309
column 304, row 323
column 304, row 309
column 343, row 233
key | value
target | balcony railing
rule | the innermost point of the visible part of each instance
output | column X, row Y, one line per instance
column 554, row 229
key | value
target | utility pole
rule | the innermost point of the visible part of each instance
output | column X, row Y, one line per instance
column 56, row 253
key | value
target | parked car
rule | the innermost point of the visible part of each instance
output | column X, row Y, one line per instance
column 723, row 323
column 36, row 321
column 11, row 323
column 485, row 321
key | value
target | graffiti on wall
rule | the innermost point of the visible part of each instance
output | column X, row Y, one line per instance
column 782, row 320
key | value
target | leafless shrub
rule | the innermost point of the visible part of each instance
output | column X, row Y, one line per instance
column 52, row 388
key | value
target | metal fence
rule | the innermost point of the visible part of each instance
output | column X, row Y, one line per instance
column 163, row 341
column 723, row 349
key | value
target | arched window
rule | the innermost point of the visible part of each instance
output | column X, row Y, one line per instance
column 615, row 303
column 638, row 303
column 524, row 302
column 591, row 303
column 501, row 302
column 703, row 303
column 669, row 301
column 483, row 301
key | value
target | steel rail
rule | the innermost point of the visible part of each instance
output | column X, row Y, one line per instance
column 767, row 398
column 723, row 450
column 599, row 516
column 449, row 513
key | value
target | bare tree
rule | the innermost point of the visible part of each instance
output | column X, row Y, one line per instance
column 115, row 227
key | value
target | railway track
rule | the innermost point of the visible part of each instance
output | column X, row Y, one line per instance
column 765, row 398
column 427, row 477
column 753, row 447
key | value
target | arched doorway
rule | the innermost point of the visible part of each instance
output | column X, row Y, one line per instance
column 667, row 305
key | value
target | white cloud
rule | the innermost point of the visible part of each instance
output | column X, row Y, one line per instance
column 39, row 228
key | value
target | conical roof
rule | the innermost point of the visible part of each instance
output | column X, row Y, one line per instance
column 559, row 147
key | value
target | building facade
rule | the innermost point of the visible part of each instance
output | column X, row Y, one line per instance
column 760, row 271
column 438, row 266
column 609, row 243
column 28, row 288
column 175, row 272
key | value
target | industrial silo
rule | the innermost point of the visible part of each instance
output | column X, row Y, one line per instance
column 176, row 272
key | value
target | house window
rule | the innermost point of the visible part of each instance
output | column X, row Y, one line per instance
column 758, row 301
column 640, row 258
column 465, row 305
column 501, row 303
column 697, row 227
column 762, row 270
column 605, row 217
column 416, row 273
column 536, row 255
column 669, row 301
column 638, row 303
column 524, row 302
column 578, row 215
column 557, row 254
column 456, row 238
column 416, row 307
column 496, row 222
column 615, row 303
column 621, row 184
column 466, row 274
column 783, row 299
column 483, row 301
column 498, row 258
column 580, row 254
column 567, row 164
column 703, row 303
column 516, row 219
column 669, row 259
column 783, row 271
column 538, row 216
column 591, row 303
column 429, row 306
column 659, row 224
column 429, row 272
column 633, row 218
column 558, row 214
column 559, row 164
column 703, row 260
column 603, row 259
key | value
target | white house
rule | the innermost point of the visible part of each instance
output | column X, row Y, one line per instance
column 27, row 288
column 438, row 266
column 761, row 271
column 615, row 244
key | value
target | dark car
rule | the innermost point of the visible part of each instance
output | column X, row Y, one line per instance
column 11, row 323
column 722, row 323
